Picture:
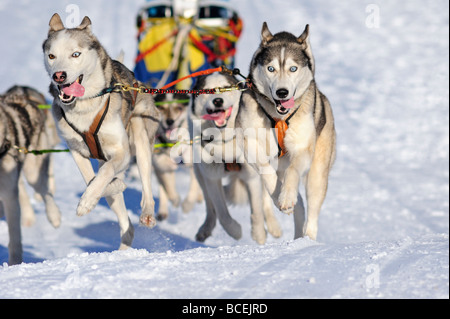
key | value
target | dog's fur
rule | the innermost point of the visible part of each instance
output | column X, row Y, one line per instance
column 22, row 126
column 76, row 56
column 282, row 70
column 173, row 108
column 244, row 184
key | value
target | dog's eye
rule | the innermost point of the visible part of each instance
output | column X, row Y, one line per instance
column 51, row 57
column 271, row 69
column 76, row 54
column 294, row 69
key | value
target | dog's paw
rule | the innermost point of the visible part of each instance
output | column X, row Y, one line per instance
column 116, row 186
column 175, row 201
column 273, row 227
column 147, row 220
column 233, row 229
column 86, row 205
column 202, row 235
column 259, row 234
column 287, row 200
column 162, row 215
column 127, row 237
column 187, row 206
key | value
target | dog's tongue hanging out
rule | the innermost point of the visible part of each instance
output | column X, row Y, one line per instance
column 288, row 104
column 75, row 89
column 219, row 117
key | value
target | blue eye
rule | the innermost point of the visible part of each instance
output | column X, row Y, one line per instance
column 271, row 69
column 76, row 54
column 294, row 69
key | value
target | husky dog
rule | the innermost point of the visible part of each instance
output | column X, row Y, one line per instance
column 173, row 108
column 99, row 123
column 27, row 214
column 21, row 129
column 285, row 96
column 214, row 116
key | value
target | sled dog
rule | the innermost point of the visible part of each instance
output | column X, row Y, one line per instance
column 285, row 99
column 166, row 157
column 21, row 129
column 97, row 123
column 212, row 118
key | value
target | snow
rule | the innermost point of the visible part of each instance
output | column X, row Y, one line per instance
column 384, row 227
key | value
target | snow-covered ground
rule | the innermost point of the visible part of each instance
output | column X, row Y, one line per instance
column 384, row 227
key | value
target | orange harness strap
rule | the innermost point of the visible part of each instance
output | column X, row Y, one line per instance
column 280, row 126
column 90, row 137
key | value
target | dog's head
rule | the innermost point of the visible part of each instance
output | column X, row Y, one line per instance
column 283, row 67
column 218, row 109
column 173, row 109
column 72, row 57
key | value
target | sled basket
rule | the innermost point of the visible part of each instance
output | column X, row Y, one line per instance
column 179, row 37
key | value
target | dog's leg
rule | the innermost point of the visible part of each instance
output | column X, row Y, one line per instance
column 117, row 204
column 12, row 212
column 11, row 207
column 208, row 226
column 317, row 184
column 116, row 186
column 273, row 227
column 163, row 210
column 299, row 217
column 217, row 195
column 143, row 147
column 194, row 195
column 167, row 181
column 257, row 216
column 107, row 172
column 27, row 211
column 36, row 170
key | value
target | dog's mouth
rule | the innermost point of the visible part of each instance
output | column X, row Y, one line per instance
column 284, row 106
column 69, row 92
column 220, row 117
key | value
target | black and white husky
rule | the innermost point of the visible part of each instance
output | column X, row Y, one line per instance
column 285, row 97
column 97, row 123
column 212, row 121
column 22, row 128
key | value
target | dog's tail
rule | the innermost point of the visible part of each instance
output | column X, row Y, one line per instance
column 236, row 192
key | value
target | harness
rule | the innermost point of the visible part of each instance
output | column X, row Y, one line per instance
column 90, row 137
column 280, row 126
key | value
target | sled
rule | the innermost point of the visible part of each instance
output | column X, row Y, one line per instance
column 179, row 37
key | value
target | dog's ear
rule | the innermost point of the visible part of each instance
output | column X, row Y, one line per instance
column 304, row 41
column 85, row 24
column 55, row 24
column 266, row 35
column 305, row 35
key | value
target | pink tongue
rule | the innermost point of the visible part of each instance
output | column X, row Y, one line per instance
column 288, row 104
column 75, row 89
column 219, row 117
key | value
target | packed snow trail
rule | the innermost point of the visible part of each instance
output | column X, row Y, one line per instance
column 383, row 230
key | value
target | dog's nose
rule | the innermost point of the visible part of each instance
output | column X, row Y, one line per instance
column 282, row 93
column 169, row 122
column 60, row 77
column 218, row 102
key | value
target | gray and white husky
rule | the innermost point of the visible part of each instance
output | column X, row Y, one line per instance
column 285, row 96
column 97, row 123
column 212, row 121
column 22, row 128
column 174, row 120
